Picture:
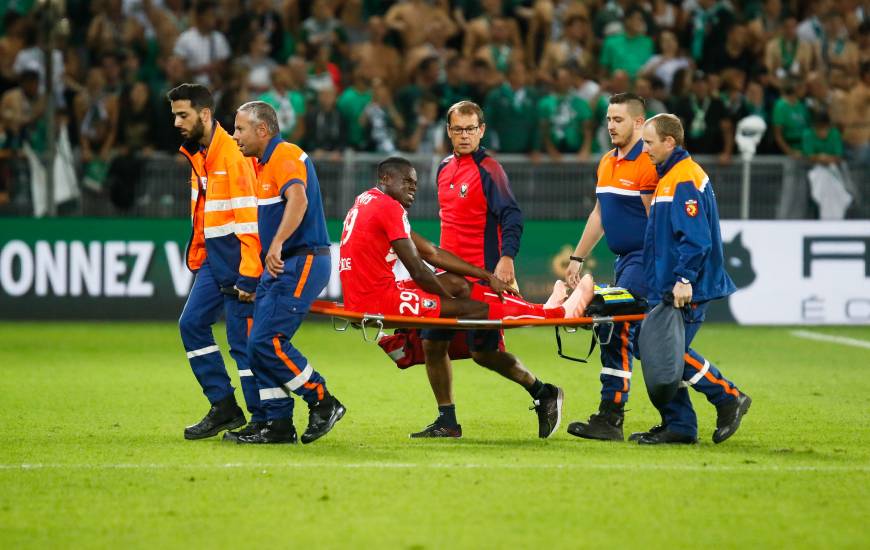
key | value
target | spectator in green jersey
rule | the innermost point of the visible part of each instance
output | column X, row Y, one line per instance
column 351, row 105
column 629, row 50
column 790, row 118
column 288, row 102
column 511, row 113
column 565, row 119
column 821, row 142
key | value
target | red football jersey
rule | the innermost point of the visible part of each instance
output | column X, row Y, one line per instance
column 367, row 257
column 463, row 210
column 480, row 218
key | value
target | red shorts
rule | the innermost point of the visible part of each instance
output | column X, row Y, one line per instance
column 405, row 298
column 410, row 300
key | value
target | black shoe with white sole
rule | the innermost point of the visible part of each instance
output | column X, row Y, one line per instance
column 549, row 410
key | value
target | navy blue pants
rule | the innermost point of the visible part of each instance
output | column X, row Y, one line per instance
column 678, row 415
column 281, row 304
column 202, row 310
column 616, row 356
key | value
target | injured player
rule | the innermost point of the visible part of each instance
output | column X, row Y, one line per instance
column 376, row 233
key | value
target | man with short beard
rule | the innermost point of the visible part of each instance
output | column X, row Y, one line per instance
column 626, row 181
column 224, row 253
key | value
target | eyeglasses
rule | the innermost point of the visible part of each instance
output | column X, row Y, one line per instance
column 459, row 130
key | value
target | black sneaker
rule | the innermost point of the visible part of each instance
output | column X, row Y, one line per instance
column 549, row 410
column 666, row 437
column 223, row 415
column 439, row 430
column 272, row 431
column 728, row 417
column 322, row 416
column 658, row 428
column 249, row 429
column 605, row 425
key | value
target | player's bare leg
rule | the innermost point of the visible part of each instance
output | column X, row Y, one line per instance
column 576, row 303
column 547, row 397
column 463, row 308
column 456, row 285
column 439, row 370
column 506, row 364
column 560, row 292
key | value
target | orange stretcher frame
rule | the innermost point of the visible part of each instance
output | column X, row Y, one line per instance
column 336, row 309
column 378, row 322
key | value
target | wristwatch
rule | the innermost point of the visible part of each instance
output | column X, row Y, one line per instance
column 580, row 259
column 684, row 280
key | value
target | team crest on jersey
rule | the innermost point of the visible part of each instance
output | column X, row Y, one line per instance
column 692, row 208
column 463, row 190
column 428, row 303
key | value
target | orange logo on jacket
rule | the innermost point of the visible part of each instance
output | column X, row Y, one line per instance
column 692, row 207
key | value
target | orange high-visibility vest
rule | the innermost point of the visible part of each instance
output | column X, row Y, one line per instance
column 223, row 207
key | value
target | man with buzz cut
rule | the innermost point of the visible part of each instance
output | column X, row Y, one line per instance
column 683, row 257
column 224, row 252
column 297, row 268
column 626, row 181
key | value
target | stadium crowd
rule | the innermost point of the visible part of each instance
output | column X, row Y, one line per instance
column 379, row 75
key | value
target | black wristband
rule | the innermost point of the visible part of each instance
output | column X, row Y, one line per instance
column 577, row 259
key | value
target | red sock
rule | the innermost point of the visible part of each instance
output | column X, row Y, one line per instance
column 513, row 306
column 496, row 310
column 480, row 292
column 516, row 307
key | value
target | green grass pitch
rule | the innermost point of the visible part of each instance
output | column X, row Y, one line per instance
column 92, row 454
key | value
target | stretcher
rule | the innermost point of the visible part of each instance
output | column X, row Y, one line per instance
column 372, row 325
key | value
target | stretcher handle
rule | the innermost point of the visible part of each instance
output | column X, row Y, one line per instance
column 372, row 321
column 338, row 327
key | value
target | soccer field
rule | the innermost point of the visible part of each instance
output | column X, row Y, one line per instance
column 93, row 454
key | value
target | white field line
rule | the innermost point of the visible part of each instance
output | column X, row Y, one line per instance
column 854, row 342
column 436, row 466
